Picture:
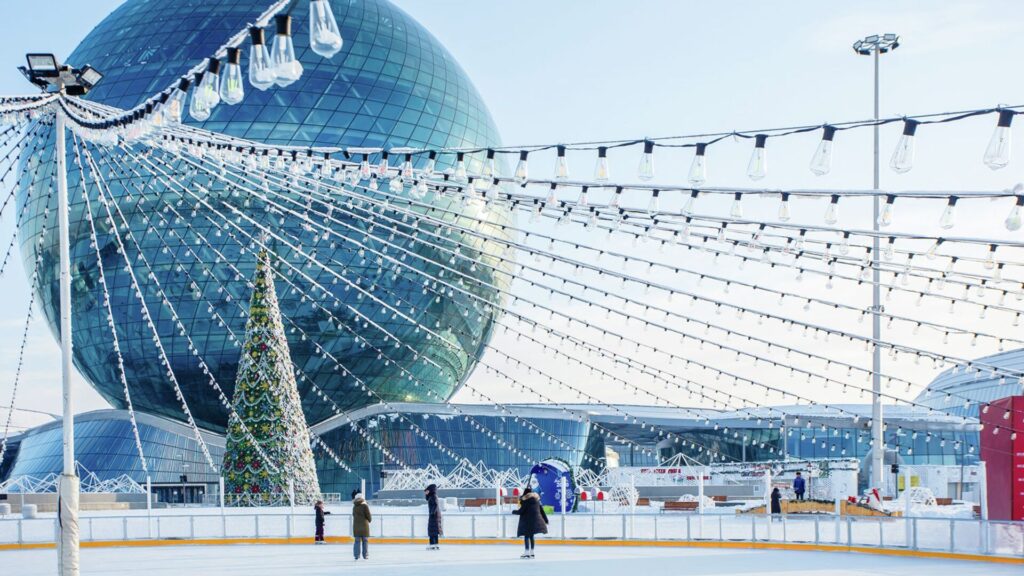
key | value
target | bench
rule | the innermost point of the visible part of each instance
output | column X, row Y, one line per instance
column 944, row 501
column 679, row 507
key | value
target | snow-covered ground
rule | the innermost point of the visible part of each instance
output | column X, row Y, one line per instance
column 484, row 560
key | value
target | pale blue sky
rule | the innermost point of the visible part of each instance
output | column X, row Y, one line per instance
column 558, row 71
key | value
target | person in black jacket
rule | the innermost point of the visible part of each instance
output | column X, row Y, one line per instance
column 434, row 526
column 320, row 512
column 776, row 502
column 532, row 520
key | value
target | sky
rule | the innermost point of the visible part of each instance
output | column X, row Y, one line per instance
column 575, row 70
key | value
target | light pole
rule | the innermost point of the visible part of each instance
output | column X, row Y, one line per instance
column 876, row 45
column 44, row 71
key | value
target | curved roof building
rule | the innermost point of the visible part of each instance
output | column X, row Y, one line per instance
column 962, row 393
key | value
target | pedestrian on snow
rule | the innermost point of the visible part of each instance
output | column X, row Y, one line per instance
column 532, row 519
column 798, row 486
column 318, row 508
column 776, row 502
column 360, row 526
column 434, row 526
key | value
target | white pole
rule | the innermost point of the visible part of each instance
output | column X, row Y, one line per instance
column 878, row 441
column 700, row 490
column 362, row 487
column 220, row 481
column 983, row 489
column 906, row 503
column 149, row 496
column 67, row 554
column 838, row 505
column 565, row 486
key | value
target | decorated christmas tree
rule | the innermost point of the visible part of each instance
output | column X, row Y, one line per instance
column 267, row 402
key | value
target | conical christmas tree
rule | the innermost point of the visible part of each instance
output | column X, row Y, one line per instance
column 267, row 401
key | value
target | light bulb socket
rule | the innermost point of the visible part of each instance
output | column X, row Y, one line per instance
column 910, row 127
column 602, row 151
column 648, row 146
column 432, row 155
column 890, row 198
column 561, row 151
column 835, row 199
column 284, row 24
column 460, row 156
column 618, row 190
column 490, row 153
column 197, row 77
column 234, row 56
column 522, row 155
column 213, row 66
column 1020, row 200
column 258, row 36
column 759, row 140
column 952, row 201
column 785, row 196
column 828, row 133
column 183, row 84
column 737, row 196
column 384, row 155
column 701, row 147
column 655, row 192
column 408, row 157
column 1005, row 118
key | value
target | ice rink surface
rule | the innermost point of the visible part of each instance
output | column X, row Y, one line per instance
column 483, row 560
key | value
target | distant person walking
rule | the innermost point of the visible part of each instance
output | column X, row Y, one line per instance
column 318, row 508
column 532, row 520
column 776, row 502
column 798, row 486
column 435, row 528
column 361, row 519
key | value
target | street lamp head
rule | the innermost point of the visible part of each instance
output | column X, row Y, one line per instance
column 45, row 72
column 880, row 43
column 43, row 65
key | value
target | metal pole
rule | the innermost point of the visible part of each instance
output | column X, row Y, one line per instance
column 67, row 555
column 878, row 443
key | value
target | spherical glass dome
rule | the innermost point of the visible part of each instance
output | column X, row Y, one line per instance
column 391, row 85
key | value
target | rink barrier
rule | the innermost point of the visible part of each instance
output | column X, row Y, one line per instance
column 948, row 538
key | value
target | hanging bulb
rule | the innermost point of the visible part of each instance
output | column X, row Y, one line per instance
column 552, row 199
column 698, row 168
column 1013, row 219
column 197, row 107
column 646, row 169
column 407, row 171
column 688, row 208
column 997, row 155
column 175, row 105
column 844, row 246
column 736, row 211
column 653, row 206
column 990, row 261
column 601, row 173
column 522, row 170
column 231, row 88
column 582, row 200
column 431, row 166
column 757, row 168
column 364, row 168
column 209, row 86
column 488, row 170
column 460, row 174
column 832, row 212
column 261, row 69
column 324, row 36
column 946, row 221
column 286, row 68
column 382, row 167
column 821, row 162
column 885, row 217
column 784, row 215
column 933, row 250
column 903, row 157
column 561, row 164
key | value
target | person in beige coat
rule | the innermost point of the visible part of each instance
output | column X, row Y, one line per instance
column 361, row 519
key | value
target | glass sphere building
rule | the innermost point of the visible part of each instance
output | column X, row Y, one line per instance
column 392, row 85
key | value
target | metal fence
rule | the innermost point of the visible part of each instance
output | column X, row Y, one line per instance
column 961, row 536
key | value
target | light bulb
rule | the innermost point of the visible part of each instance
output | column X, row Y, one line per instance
column 832, row 212
column 736, row 211
column 407, row 171
column 460, row 174
column 522, row 169
column 232, row 90
column 197, row 107
column 757, row 167
column 698, row 168
column 646, row 168
column 997, row 155
column 324, row 36
column 552, row 199
column 903, row 157
column 688, row 208
column 784, row 208
column 488, row 170
column 431, row 166
column 209, row 86
column 175, row 105
column 654, row 205
column 582, row 200
column 382, row 168
column 933, row 250
column 601, row 173
column 364, row 168
column 615, row 197
column 949, row 214
column 821, row 162
column 261, row 70
column 286, row 68
column 561, row 165
column 1013, row 219
column 885, row 217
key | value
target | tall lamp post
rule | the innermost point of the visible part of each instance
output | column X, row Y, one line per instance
column 44, row 71
column 874, row 46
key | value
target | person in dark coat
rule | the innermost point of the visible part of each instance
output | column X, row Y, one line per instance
column 434, row 525
column 776, row 502
column 361, row 519
column 532, row 519
column 318, row 508
column 798, row 486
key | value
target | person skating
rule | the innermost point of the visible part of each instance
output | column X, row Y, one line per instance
column 434, row 526
column 318, row 508
column 361, row 519
column 776, row 503
column 532, row 520
column 798, row 486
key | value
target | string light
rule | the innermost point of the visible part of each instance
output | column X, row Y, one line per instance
column 821, row 162
column 903, row 157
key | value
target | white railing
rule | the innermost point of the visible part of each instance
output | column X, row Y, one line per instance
column 956, row 535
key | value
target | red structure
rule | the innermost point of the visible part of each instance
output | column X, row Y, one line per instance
column 1003, row 454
